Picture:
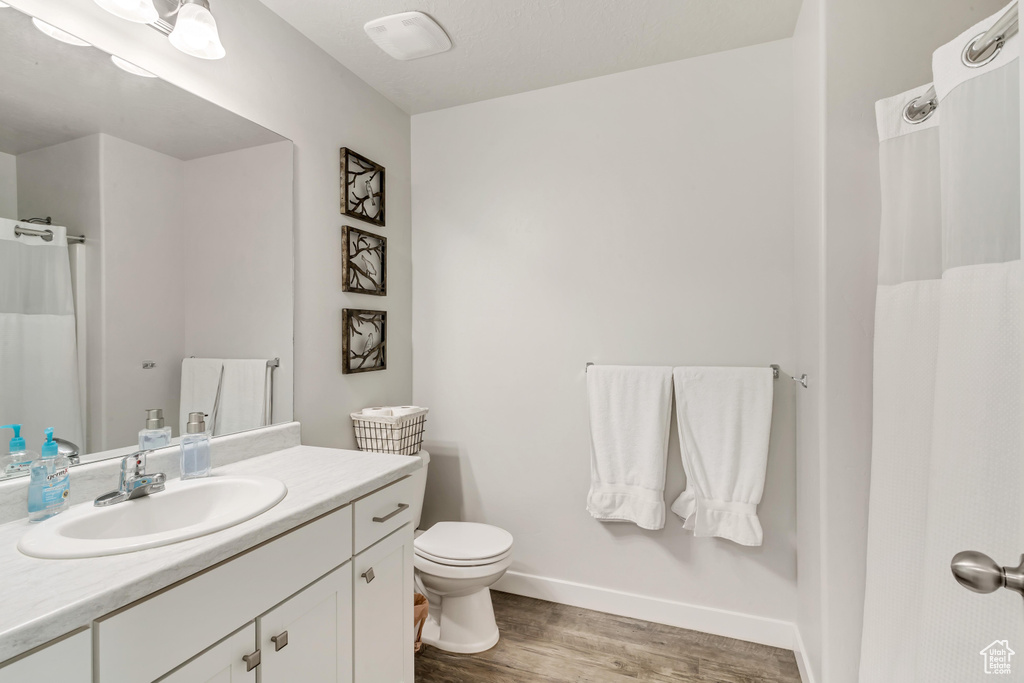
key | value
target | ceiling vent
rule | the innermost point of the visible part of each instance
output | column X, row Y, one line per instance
column 409, row 35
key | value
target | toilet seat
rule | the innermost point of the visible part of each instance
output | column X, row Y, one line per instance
column 464, row 544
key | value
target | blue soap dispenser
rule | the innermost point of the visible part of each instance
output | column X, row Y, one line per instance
column 49, row 485
column 18, row 459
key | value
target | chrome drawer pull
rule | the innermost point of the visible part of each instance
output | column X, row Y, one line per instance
column 368, row 575
column 251, row 661
column 280, row 641
column 402, row 507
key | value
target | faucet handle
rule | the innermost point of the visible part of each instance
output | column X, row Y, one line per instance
column 133, row 465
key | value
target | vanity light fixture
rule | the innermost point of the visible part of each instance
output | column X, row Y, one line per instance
column 195, row 31
column 125, row 65
column 57, row 34
column 4, row 5
column 139, row 11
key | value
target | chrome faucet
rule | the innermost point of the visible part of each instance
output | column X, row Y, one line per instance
column 134, row 483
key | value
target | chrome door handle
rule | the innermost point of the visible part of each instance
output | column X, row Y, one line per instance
column 368, row 575
column 280, row 640
column 251, row 661
column 980, row 573
column 402, row 507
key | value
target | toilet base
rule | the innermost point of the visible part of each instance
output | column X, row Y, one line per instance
column 466, row 624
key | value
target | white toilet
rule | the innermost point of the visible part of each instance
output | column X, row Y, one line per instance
column 456, row 564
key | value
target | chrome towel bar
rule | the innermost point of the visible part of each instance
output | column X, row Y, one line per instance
column 776, row 373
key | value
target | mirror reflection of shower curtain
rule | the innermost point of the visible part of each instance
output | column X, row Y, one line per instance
column 947, row 472
column 39, row 382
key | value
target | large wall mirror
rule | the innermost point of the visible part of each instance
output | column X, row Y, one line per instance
column 145, row 252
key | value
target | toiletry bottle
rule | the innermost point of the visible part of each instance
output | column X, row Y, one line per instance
column 49, row 485
column 155, row 435
column 18, row 459
column 195, row 448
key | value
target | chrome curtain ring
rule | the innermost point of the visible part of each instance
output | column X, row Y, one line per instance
column 985, row 56
column 914, row 113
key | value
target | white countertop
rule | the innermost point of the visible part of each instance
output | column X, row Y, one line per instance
column 43, row 599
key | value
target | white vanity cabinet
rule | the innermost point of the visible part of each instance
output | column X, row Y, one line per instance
column 309, row 637
column 67, row 659
column 300, row 607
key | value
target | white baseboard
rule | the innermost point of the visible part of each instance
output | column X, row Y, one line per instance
column 773, row 632
column 802, row 662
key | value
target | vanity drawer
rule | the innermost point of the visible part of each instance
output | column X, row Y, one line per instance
column 381, row 512
column 143, row 641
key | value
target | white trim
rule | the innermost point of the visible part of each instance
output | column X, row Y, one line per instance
column 773, row 632
column 803, row 664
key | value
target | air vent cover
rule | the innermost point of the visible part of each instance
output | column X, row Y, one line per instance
column 409, row 35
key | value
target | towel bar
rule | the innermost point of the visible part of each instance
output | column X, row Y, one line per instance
column 776, row 370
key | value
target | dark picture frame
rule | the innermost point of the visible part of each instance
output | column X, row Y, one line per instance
column 364, row 262
column 362, row 188
column 364, row 336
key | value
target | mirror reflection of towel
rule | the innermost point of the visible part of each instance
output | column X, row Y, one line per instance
column 239, row 389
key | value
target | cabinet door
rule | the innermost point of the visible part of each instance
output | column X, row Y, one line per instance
column 308, row 637
column 383, row 610
column 68, row 659
column 222, row 663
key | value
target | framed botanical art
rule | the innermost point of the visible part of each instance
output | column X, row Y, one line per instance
column 364, row 262
column 364, row 337
column 362, row 188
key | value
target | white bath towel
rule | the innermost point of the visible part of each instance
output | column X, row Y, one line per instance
column 244, row 388
column 630, row 414
column 725, row 419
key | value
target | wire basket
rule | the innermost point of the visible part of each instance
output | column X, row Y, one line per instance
column 398, row 434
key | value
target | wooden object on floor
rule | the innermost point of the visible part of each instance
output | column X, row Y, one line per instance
column 545, row 642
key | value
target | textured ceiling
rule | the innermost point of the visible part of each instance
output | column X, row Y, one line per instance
column 503, row 47
column 51, row 93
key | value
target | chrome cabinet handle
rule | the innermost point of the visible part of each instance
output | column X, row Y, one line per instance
column 978, row 572
column 368, row 575
column 402, row 507
column 280, row 640
column 251, row 661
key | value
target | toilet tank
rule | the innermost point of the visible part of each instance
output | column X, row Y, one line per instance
column 419, row 479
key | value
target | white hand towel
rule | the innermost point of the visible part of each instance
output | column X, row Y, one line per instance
column 200, row 378
column 630, row 414
column 243, row 393
column 725, row 419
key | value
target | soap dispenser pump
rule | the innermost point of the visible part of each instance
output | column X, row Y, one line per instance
column 19, row 458
column 195, row 448
column 49, row 485
column 155, row 435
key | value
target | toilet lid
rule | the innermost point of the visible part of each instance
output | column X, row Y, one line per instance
column 464, row 541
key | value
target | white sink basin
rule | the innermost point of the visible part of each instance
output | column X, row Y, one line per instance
column 186, row 509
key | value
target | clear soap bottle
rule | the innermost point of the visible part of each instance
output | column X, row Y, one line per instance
column 155, row 435
column 49, row 482
column 195, row 448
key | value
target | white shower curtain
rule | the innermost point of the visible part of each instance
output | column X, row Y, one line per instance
column 947, row 468
column 38, row 353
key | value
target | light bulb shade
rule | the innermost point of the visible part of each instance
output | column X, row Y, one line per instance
column 195, row 32
column 4, row 5
column 125, row 65
column 57, row 34
column 139, row 11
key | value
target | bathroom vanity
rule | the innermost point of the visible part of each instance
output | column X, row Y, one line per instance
column 317, row 588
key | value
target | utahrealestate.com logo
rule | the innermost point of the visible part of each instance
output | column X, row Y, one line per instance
column 997, row 657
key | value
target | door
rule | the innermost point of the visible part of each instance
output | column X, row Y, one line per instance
column 231, row 660
column 383, row 610
column 308, row 637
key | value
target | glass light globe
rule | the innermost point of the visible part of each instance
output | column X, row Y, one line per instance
column 195, row 32
column 139, row 11
column 57, row 34
column 125, row 65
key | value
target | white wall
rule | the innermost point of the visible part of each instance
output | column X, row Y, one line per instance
column 298, row 91
column 237, row 272
column 809, row 130
column 143, row 304
column 639, row 218
column 9, row 187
